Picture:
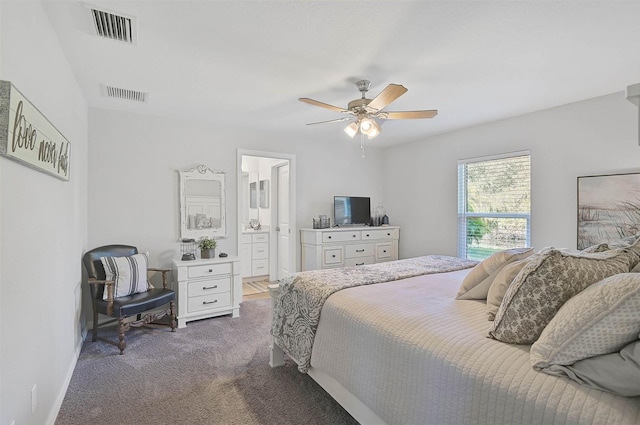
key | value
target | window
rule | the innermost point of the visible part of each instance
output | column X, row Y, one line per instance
column 494, row 204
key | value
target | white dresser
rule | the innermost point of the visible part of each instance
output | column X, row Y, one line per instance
column 348, row 246
column 254, row 252
column 207, row 288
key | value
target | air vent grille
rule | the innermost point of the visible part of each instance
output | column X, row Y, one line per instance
column 119, row 93
column 114, row 27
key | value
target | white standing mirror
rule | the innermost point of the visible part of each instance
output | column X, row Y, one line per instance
column 202, row 203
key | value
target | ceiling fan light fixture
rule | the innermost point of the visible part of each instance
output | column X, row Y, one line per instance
column 365, row 125
column 351, row 129
column 375, row 130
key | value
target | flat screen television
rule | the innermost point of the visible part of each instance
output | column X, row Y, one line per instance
column 351, row 210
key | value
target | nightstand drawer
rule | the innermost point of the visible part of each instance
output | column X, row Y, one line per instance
column 209, row 286
column 340, row 236
column 208, row 302
column 359, row 250
column 209, row 270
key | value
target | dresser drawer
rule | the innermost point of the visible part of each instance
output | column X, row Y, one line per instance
column 260, row 237
column 384, row 251
column 359, row 250
column 340, row 236
column 350, row 262
column 378, row 234
column 208, row 302
column 260, row 267
column 245, row 238
column 209, row 270
column 332, row 256
column 259, row 251
column 209, row 286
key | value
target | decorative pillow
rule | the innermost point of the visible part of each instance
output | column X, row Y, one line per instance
column 544, row 285
column 501, row 284
column 129, row 274
column 475, row 285
column 618, row 373
column 599, row 320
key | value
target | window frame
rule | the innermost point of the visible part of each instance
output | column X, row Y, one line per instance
column 464, row 215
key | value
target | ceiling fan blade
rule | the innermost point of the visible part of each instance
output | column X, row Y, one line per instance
column 409, row 115
column 336, row 120
column 322, row 105
column 386, row 96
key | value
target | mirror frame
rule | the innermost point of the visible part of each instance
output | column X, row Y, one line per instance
column 202, row 172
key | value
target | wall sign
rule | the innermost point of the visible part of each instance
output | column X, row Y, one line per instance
column 28, row 137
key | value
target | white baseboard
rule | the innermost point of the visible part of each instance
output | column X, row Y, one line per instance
column 65, row 386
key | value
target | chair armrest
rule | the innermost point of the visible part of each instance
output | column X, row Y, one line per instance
column 164, row 272
column 109, row 288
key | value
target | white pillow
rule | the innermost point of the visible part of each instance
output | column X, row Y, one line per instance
column 129, row 274
column 475, row 285
column 501, row 284
column 599, row 320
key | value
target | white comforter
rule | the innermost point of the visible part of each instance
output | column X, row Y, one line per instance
column 415, row 355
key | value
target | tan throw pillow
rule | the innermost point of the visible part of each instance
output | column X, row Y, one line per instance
column 544, row 285
column 599, row 320
column 601, row 247
column 501, row 284
column 475, row 285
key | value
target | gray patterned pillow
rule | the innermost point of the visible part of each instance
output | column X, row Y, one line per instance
column 601, row 247
column 544, row 285
column 599, row 320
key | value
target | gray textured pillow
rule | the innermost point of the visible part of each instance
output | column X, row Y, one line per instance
column 599, row 320
column 618, row 373
column 475, row 285
column 501, row 284
column 601, row 247
column 544, row 285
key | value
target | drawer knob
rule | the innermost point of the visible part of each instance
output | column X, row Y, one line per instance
column 333, row 256
column 355, row 235
column 209, row 302
column 209, row 287
column 359, row 264
column 328, row 237
column 384, row 250
column 210, row 270
column 388, row 234
column 359, row 250
column 367, row 235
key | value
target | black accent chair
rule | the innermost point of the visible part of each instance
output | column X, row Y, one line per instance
column 125, row 307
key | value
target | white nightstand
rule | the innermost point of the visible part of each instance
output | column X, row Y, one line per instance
column 207, row 288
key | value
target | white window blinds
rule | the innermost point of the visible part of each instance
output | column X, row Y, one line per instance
column 494, row 204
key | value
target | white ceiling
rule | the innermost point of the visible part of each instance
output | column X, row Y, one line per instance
column 245, row 63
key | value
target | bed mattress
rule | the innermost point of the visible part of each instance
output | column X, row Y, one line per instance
column 415, row 355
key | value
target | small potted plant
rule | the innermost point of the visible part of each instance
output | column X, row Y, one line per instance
column 207, row 247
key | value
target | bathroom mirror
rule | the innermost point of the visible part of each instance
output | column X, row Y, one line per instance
column 202, row 203
column 264, row 193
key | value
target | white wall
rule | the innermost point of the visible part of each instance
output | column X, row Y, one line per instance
column 133, row 179
column 43, row 222
column 596, row 136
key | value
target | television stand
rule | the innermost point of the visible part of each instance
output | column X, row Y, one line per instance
column 348, row 246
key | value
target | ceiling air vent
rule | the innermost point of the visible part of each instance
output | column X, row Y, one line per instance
column 114, row 26
column 119, row 93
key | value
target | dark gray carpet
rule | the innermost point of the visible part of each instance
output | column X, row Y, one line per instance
column 214, row 371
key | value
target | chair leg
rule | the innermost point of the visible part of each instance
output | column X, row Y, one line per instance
column 121, row 343
column 172, row 312
column 94, row 337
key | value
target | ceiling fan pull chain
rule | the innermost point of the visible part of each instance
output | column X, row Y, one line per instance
column 362, row 144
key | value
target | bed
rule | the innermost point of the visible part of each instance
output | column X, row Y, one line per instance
column 405, row 351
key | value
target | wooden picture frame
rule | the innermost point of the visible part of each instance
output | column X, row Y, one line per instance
column 608, row 208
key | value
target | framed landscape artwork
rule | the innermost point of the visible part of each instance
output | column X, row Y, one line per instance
column 608, row 208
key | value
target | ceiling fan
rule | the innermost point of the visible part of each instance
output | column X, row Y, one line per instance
column 364, row 112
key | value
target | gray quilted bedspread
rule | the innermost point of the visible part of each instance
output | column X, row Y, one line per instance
column 302, row 295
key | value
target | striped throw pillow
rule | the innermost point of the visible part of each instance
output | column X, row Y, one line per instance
column 129, row 274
